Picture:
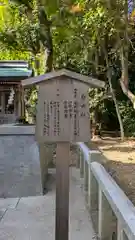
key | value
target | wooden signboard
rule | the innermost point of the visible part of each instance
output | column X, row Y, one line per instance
column 62, row 117
column 63, row 111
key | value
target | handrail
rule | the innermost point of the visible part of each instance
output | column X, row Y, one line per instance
column 121, row 205
column 109, row 194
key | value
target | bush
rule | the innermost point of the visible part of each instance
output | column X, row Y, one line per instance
column 128, row 116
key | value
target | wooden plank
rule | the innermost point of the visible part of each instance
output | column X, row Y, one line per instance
column 62, row 191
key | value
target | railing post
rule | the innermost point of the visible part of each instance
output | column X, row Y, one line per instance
column 120, row 233
column 81, row 164
column 78, row 159
column 89, row 186
column 94, row 155
column 86, row 166
column 106, row 218
column 45, row 155
column 86, row 179
column 93, row 199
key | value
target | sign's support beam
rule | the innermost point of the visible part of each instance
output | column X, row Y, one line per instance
column 62, row 191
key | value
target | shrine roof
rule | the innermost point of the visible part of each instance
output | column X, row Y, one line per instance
column 14, row 63
column 15, row 72
column 91, row 81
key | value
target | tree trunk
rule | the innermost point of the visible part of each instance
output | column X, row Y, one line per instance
column 37, row 66
column 113, row 95
column 46, row 37
column 117, row 109
column 124, row 81
column 49, row 59
column 124, row 76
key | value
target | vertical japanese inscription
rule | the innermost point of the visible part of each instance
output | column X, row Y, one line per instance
column 65, row 109
column 76, row 120
column 76, row 113
column 51, row 111
column 71, row 112
column 56, row 124
column 58, row 118
column 83, row 106
column 70, row 109
column 46, row 119
column 55, row 118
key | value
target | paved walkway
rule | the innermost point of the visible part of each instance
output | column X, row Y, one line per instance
column 33, row 218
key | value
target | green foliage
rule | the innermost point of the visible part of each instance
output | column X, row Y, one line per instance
column 128, row 116
column 6, row 54
column 76, row 32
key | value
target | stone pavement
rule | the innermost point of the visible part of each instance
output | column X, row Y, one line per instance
column 33, row 218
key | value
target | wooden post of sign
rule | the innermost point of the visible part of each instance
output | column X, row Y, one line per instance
column 62, row 191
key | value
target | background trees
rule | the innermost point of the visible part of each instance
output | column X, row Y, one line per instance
column 91, row 37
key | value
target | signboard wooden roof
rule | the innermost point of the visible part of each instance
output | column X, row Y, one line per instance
column 92, row 82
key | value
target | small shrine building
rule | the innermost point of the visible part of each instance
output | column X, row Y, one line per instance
column 12, row 105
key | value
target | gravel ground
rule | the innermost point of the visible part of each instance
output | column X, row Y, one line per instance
column 119, row 159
